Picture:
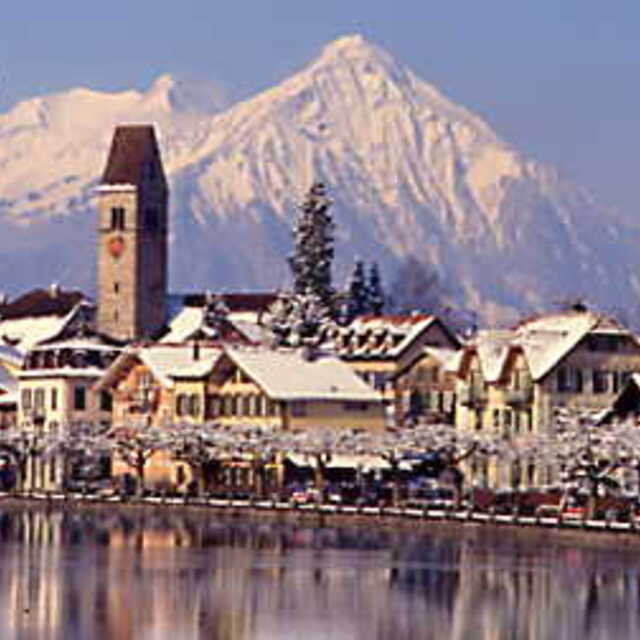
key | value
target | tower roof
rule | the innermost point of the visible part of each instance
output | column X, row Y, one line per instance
column 134, row 151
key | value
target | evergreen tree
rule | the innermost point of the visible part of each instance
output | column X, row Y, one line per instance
column 313, row 247
column 358, row 292
column 375, row 293
column 298, row 320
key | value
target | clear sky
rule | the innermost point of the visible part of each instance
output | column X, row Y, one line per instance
column 557, row 78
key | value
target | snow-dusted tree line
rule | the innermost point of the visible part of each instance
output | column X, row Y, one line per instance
column 577, row 453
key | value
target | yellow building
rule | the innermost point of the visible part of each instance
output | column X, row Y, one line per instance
column 513, row 381
column 391, row 352
column 142, row 382
column 284, row 389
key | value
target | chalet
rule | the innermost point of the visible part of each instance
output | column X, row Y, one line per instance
column 142, row 383
column 390, row 352
column 513, row 381
column 285, row 390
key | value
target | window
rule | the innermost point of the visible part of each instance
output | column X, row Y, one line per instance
column 117, row 218
column 26, row 399
column 38, row 399
column 579, row 381
column 54, row 399
column 213, row 407
column 182, row 404
column 116, row 287
column 563, row 379
column 600, row 381
column 106, row 402
column 603, row 342
column 496, row 418
column 79, row 398
column 379, row 381
column 194, row 405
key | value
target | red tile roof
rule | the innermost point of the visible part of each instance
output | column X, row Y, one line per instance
column 41, row 302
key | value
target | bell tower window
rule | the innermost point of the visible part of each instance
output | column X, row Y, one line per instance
column 117, row 218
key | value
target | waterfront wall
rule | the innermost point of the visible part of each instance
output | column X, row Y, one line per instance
column 471, row 525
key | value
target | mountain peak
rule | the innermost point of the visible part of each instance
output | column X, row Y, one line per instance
column 352, row 46
column 184, row 93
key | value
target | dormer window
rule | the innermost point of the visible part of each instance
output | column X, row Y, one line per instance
column 117, row 218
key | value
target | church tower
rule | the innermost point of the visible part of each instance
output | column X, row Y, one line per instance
column 132, row 201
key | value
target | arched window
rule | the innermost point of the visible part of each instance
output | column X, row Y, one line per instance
column 117, row 218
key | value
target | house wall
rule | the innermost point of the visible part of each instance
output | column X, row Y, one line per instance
column 302, row 414
column 515, row 406
column 127, row 408
column 613, row 365
column 189, row 401
column 65, row 412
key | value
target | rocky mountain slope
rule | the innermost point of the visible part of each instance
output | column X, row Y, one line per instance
column 411, row 173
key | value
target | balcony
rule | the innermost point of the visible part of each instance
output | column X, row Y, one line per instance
column 472, row 397
column 517, row 397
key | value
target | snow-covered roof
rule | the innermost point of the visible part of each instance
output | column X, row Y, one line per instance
column 190, row 320
column 61, row 372
column 78, row 344
column 181, row 326
column 544, row 340
column 286, row 375
column 385, row 336
column 164, row 361
column 24, row 333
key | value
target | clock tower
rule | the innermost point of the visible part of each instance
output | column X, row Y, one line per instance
column 132, row 201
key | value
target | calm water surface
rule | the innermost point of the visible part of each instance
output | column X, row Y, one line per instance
column 121, row 575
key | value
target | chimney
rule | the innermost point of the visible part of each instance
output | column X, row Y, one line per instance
column 54, row 289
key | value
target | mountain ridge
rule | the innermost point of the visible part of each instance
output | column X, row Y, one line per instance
column 411, row 173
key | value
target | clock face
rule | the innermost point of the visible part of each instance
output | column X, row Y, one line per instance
column 115, row 246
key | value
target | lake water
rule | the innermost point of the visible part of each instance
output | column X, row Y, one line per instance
column 120, row 575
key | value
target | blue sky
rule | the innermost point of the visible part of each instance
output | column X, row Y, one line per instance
column 557, row 78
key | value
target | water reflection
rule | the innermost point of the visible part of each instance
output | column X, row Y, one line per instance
column 122, row 575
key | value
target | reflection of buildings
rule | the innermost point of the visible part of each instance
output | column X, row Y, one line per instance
column 159, row 574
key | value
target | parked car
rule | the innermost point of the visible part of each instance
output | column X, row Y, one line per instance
column 434, row 498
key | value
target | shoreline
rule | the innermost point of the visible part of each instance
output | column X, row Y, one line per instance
column 471, row 526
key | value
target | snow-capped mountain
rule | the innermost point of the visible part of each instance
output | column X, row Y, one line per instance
column 410, row 173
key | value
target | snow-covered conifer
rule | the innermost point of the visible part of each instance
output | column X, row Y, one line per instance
column 375, row 293
column 313, row 247
column 358, row 293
